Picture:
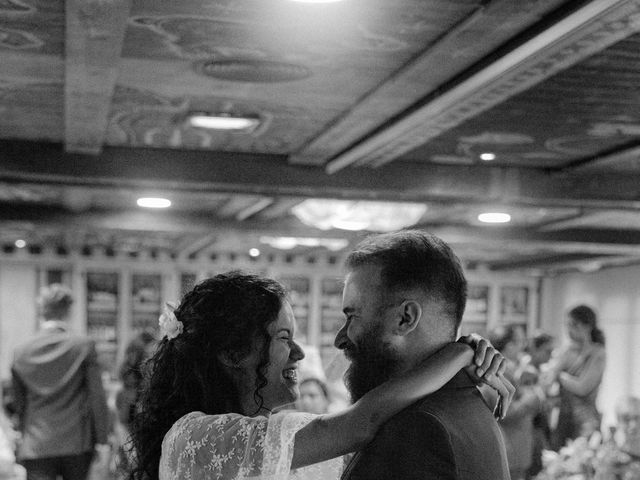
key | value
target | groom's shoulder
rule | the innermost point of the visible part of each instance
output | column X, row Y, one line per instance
column 458, row 408
column 455, row 403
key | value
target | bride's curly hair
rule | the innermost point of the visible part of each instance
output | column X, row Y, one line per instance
column 223, row 315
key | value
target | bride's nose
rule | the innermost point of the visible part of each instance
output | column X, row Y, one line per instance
column 296, row 352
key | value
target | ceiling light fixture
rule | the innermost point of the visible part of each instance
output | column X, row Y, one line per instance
column 326, row 214
column 20, row 243
column 316, row 1
column 153, row 202
column 288, row 243
column 254, row 252
column 223, row 121
column 494, row 217
column 488, row 156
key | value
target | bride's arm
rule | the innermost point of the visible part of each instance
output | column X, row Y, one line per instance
column 332, row 435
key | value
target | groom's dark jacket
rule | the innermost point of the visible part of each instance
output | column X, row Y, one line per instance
column 450, row 434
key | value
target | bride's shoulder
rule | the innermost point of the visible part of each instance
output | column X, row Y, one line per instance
column 230, row 422
column 196, row 421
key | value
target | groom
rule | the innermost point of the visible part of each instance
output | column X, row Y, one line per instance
column 403, row 300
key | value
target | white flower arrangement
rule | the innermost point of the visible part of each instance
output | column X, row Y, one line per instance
column 590, row 459
column 170, row 326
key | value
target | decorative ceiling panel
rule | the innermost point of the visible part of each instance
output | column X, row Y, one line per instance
column 582, row 112
column 94, row 97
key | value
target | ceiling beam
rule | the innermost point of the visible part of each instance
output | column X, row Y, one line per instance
column 571, row 242
column 40, row 218
column 620, row 157
column 566, row 263
column 590, row 29
column 484, row 29
column 540, row 261
column 254, row 208
column 204, row 171
column 196, row 246
column 94, row 36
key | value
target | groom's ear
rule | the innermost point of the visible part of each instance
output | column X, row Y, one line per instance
column 410, row 315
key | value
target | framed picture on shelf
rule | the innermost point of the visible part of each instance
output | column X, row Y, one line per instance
column 146, row 305
column 299, row 288
column 514, row 304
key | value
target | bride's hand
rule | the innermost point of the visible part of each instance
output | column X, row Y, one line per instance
column 488, row 367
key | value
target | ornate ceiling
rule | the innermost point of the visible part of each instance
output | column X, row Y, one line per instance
column 360, row 100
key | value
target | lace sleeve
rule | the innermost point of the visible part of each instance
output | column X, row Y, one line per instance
column 231, row 447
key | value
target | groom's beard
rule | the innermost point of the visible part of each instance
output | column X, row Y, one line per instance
column 372, row 363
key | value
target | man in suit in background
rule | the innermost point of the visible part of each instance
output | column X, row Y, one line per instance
column 59, row 398
column 403, row 299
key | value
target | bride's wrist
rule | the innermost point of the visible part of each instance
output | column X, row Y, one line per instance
column 465, row 350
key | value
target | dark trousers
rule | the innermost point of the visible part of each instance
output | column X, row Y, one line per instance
column 69, row 467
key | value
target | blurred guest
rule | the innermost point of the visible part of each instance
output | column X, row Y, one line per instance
column 539, row 350
column 131, row 374
column 314, row 396
column 9, row 469
column 628, row 419
column 517, row 425
column 59, row 398
column 578, row 370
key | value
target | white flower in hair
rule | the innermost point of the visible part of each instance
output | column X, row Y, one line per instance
column 170, row 326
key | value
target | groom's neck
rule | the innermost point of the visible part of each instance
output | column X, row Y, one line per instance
column 419, row 353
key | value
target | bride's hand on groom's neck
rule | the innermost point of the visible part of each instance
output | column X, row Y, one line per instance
column 488, row 368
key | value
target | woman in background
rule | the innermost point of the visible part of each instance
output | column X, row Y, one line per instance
column 578, row 370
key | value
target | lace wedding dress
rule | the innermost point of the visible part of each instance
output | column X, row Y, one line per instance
column 235, row 447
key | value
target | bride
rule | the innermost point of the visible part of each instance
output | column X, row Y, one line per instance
column 228, row 359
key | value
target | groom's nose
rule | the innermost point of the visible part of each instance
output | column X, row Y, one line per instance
column 341, row 340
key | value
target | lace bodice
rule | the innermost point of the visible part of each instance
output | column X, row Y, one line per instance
column 235, row 447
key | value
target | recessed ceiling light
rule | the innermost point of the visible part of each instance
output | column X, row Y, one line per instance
column 488, row 156
column 222, row 122
column 153, row 202
column 20, row 243
column 494, row 217
column 254, row 252
column 590, row 267
column 316, row 1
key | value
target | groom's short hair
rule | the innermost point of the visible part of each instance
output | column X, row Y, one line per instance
column 413, row 259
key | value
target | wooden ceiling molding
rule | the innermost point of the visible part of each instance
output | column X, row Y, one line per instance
column 195, row 246
column 95, row 32
column 269, row 176
column 625, row 159
column 483, row 29
column 582, row 33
